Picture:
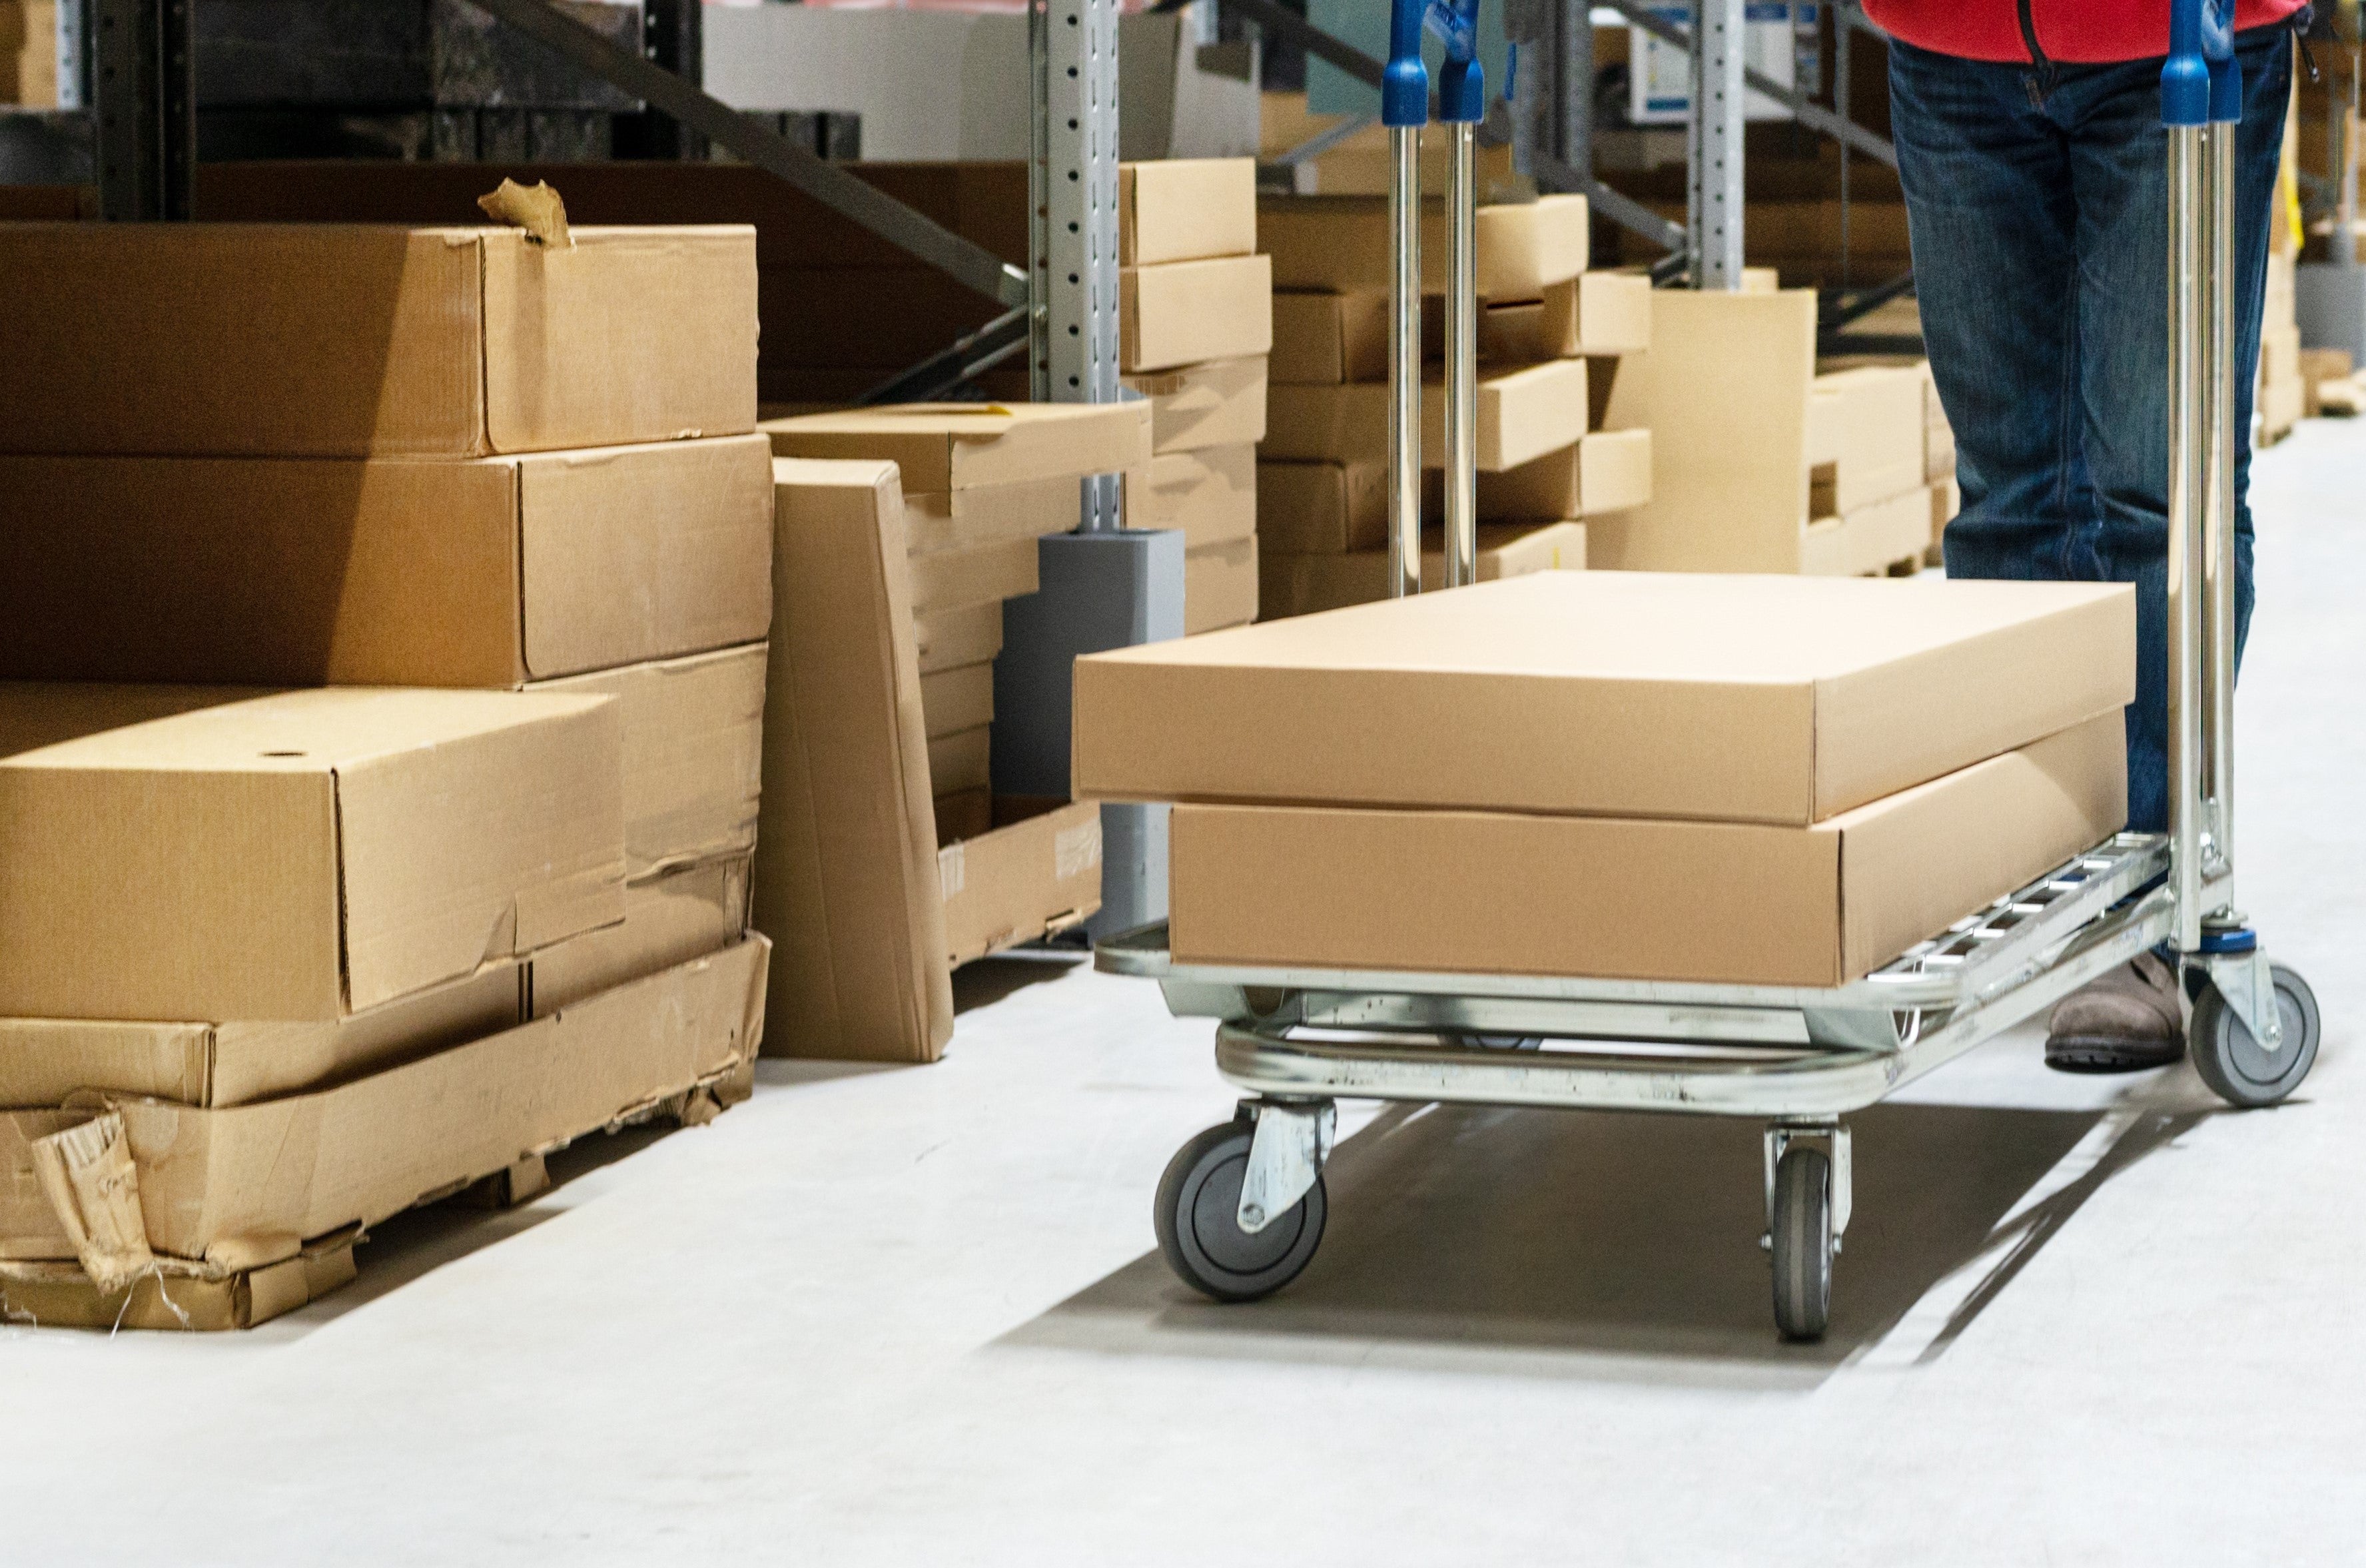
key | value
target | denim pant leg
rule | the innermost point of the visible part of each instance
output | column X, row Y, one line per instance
column 2120, row 173
column 1993, row 223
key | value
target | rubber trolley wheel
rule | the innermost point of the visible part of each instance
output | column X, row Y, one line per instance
column 1802, row 1242
column 1198, row 1218
column 2232, row 1062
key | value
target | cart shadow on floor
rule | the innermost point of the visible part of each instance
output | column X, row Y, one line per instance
column 1552, row 1241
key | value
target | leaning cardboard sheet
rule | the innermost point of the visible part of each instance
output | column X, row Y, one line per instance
column 1777, row 780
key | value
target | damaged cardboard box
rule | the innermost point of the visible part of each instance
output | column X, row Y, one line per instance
column 331, row 340
column 489, row 573
column 294, row 855
column 1782, row 700
column 1724, row 902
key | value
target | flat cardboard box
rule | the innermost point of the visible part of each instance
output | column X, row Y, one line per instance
column 1522, row 415
column 1218, row 403
column 1342, row 243
column 1885, row 535
column 301, row 855
column 487, row 572
column 1185, row 209
column 950, row 639
column 846, row 847
column 1037, row 872
column 330, row 340
column 950, row 446
column 1220, row 586
column 1608, row 470
column 1786, row 700
column 203, row 1301
column 1866, row 426
column 1322, row 507
column 963, row 760
column 957, row 699
column 45, row 1060
column 1209, row 495
column 1721, row 902
column 672, row 917
column 694, row 754
column 980, row 575
column 1299, row 585
column 1598, row 315
column 245, row 1186
column 1184, row 312
column 992, row 514
column 1327, row 338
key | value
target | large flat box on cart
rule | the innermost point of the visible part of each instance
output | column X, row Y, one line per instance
column 1726, row 902
column 1745, row 699
column 941, row 447
column 488, row 573
column 1342, row 243
column 244, row 1187
column 328, row 340
column 177, row 852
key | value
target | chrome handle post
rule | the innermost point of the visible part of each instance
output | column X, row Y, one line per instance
column 2188, row 486
column 1462, row 386
column 1404, row 360
column 2218, row 525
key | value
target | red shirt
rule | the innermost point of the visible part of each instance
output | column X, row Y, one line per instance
column 2079, row 32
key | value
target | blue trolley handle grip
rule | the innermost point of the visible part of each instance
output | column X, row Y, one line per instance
column 1404, row 83
column 2200, row 82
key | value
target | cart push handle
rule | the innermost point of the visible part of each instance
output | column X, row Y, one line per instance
column 1405, row 106
column 2201, row 82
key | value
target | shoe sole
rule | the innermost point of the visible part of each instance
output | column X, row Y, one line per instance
column 2099, row 1056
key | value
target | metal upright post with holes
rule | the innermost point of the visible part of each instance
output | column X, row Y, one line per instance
column 143, row 80
column 1713, row 141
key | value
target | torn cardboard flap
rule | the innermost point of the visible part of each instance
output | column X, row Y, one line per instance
column 536, row 209
column 87, row 1175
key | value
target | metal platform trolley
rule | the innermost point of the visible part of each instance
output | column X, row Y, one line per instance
column 1241, row 1209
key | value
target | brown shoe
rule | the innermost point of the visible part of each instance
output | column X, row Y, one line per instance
column 2125, row 1022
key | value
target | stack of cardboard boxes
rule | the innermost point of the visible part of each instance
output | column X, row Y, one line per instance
column 1881, row 471
column 1551, row 334
column 1768, row 780
column 1195, row 321
column 888, row 857
column 382, row 618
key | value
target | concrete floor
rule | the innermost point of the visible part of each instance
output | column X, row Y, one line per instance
column 914, row 1316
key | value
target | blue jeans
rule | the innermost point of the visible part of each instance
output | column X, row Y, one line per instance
column 2038, row 206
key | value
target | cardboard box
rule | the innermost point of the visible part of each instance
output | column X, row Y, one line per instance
column 323, row 340
column 1608, row 470
column 1210, row 495
column 672, row 917
column 957, row 699
column 982, row 574
column 951, row 446
column 1037, row 872
column 1187, row 312
column 1741, row 699
column 1594, row 315
column 1219, row 403
column 992, row 514
column 1864, row 438
column 200, row 1299
column 1325, row 338
column 246, row 1186
column 1342, row 243
column 1724, row 902
column 846, row 848
column 694, row 754
column 43, row 1061
column 960, row 761
column 1185, row 209
column 491, row 572
column 1220, row 586
column 1299, row 585
column 300, row 855
column 963, row 814
column 1522, row 414
column 1885, row 536
column 1322, row 507
column 950, row 639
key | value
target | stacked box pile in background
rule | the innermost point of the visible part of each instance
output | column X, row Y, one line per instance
column 1550, row 337
column 1195, row 323
column 887, row 857
column 478, row 884
column 28, row 53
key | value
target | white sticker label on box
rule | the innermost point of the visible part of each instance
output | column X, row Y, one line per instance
column 1076, row 849
column 952, row 869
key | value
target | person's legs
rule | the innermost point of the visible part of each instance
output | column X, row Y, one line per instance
column 1993, row 224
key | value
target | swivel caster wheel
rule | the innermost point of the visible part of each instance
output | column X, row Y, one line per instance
column 1198, row 1218
column 2236, row 1067
column 1800, row 1238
